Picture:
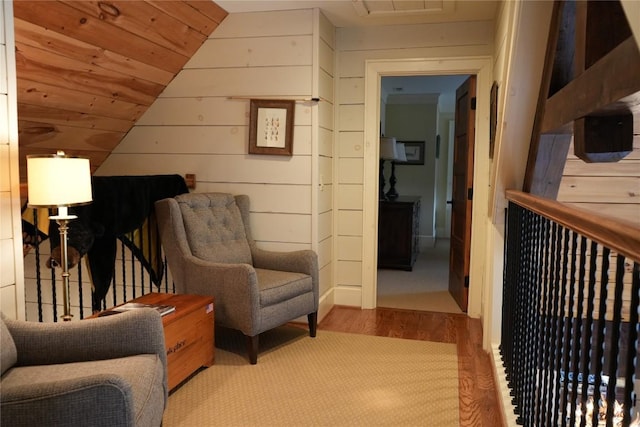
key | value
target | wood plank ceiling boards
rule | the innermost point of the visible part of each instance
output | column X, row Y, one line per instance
column 87, row 71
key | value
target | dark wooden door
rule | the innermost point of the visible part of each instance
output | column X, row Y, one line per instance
column 462, row 192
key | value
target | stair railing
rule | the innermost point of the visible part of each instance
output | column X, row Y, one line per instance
column 570, row 326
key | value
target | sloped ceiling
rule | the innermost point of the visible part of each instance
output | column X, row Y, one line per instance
column 87, row 70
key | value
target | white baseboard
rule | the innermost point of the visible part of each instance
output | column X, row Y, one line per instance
column 325, row 304
column 499, row 376
column 427, row 242
column 347, row 295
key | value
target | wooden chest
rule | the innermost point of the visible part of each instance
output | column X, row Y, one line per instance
column 188, row 333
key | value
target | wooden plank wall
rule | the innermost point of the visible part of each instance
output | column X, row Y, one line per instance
column 199, row 125
column 11, row 266
column 355, row 47
column 607, row 188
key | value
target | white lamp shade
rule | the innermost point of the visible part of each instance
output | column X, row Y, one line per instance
column 58, row 180
column 388, row 148
column 402, row 154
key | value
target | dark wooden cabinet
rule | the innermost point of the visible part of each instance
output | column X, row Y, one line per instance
column 398, row 226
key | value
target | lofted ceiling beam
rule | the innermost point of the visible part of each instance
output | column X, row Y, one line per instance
column 590, row 92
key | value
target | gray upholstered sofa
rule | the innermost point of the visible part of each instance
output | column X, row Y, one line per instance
column 210, row 251
column 110, row 371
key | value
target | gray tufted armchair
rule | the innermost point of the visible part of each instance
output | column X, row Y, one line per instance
column 110, row 371
column 207, row 240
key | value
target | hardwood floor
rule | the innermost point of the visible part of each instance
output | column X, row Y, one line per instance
column 479, row 405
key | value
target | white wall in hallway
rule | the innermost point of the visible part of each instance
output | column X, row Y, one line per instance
column 356, row 46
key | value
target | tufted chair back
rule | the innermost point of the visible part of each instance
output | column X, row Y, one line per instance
column 214, row 227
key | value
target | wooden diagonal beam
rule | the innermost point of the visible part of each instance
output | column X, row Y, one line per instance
column 598, row 90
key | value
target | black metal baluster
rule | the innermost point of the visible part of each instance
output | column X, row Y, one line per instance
column 600, row 335
column 564, row 335
column 632, row 346
column 133, row 275
column 140, row 233
column 588, row 329
column 577, row 338
column 511, row 255
column 151, row 254
column 614, row 333
column 542, row 295
column 54, row 294
column 124, row 272
column 525, row 350
column 80, row 293
column 510, row 307
column 535, row 292
column 521, row 348
column 550, row 395
column 114, row 291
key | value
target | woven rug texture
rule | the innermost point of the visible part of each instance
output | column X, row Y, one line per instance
column 335, row 379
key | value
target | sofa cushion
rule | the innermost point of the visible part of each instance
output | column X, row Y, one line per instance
column 8, row 352
column 125, row 392
column 214, row 228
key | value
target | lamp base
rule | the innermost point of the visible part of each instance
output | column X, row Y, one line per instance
column 392, row 194
column 63, row 222
column 381, row 183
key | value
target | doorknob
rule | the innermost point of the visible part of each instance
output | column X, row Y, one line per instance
column 450, row 202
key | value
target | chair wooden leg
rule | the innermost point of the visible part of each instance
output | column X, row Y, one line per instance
column 252, row 348
column 313, row 323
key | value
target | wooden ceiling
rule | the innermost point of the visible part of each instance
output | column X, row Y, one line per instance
column 88, row 70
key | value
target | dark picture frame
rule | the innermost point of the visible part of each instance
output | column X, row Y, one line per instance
column 414, row 150
column 271, row 126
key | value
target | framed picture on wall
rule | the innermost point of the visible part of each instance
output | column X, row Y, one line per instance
column 414, row 150
column 271, row 126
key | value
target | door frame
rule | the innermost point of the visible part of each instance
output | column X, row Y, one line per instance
column 374, row 71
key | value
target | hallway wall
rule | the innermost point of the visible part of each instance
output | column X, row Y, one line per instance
column 355, row 46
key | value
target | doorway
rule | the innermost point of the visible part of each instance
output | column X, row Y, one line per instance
column 419, row 110
column 375, row 70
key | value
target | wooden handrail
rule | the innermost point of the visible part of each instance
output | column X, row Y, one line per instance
column 618, row 235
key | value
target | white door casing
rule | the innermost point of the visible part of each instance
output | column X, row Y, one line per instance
column 375, row 69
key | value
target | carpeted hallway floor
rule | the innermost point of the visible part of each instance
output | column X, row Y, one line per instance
column 425, row 288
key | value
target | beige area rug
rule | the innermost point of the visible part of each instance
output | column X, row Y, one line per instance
column 425, row 288
column 335, row 379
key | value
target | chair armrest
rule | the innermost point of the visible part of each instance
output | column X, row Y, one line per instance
column 303, row 261
column 121, row 335
column 234, row 286
column 30, row 404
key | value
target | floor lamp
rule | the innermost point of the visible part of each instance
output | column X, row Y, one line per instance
column 59, row 181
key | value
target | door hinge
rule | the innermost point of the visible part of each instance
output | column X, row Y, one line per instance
column 466, row 281
column 469, row 193
column 473, row 103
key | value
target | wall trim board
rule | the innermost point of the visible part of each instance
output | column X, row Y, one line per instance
column 347, row 295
